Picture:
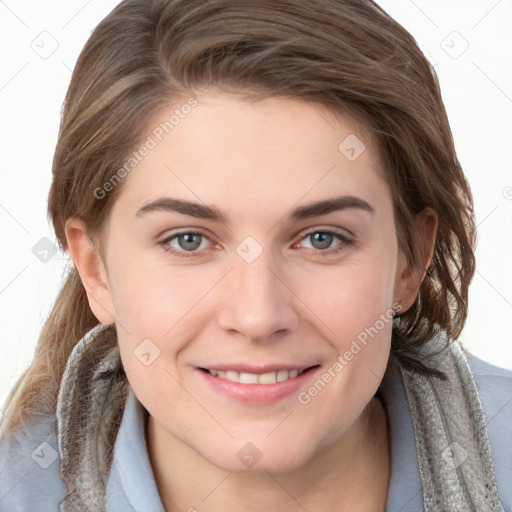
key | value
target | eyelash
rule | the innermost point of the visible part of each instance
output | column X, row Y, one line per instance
column 346, row 241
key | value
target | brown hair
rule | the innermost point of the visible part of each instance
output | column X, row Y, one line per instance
column 347, row 55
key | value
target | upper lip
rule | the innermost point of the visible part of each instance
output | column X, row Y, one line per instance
column 266, row 368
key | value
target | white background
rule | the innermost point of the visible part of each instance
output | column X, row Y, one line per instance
column 476, row 87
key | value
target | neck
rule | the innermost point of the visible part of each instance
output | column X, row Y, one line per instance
column 352, row 474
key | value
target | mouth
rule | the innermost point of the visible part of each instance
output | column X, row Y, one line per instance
column 271, row 377
column 258, row 386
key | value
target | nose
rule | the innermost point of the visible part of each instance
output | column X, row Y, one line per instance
column 257, row 304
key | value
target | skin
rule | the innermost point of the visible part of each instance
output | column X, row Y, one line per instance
column 255, row 162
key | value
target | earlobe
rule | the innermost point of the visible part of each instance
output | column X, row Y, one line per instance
column 89, row 265
column 409, row 278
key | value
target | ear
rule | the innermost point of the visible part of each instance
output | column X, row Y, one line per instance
column 88, row 262
column 409, row 279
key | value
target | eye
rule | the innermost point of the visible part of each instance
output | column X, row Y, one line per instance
column 186, row 242
column 322, row 239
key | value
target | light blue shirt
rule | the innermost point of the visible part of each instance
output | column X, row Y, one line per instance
column 30, row 482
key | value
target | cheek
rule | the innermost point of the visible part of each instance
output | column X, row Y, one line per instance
column 352, row 297
column 353, row 309
column 150, row 298
column 154, row 305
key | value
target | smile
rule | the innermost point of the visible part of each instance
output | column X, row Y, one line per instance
column 256, row 378
column 257, row 385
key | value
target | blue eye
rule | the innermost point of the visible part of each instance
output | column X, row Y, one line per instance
column 324, row 238
column 190, row 242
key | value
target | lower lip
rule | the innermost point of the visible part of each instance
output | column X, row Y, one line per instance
column 259, row 393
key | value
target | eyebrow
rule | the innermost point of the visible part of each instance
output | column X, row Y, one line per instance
column 202, row 211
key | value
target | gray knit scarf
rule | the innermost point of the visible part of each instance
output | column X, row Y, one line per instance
column 453, row 449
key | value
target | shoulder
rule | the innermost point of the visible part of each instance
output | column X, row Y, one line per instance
column 29, row 468
column 494, row 385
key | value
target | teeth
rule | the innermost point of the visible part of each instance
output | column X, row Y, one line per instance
column 231, row 375
column 267, row 378
column 256, row 378
column 246, row 378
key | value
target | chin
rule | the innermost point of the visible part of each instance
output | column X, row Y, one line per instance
column 260, row 456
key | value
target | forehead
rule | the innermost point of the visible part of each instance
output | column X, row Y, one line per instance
column 246, row 154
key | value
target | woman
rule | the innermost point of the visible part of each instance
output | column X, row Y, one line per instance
column 272, row 243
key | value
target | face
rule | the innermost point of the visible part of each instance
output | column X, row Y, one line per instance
column 263, row 330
